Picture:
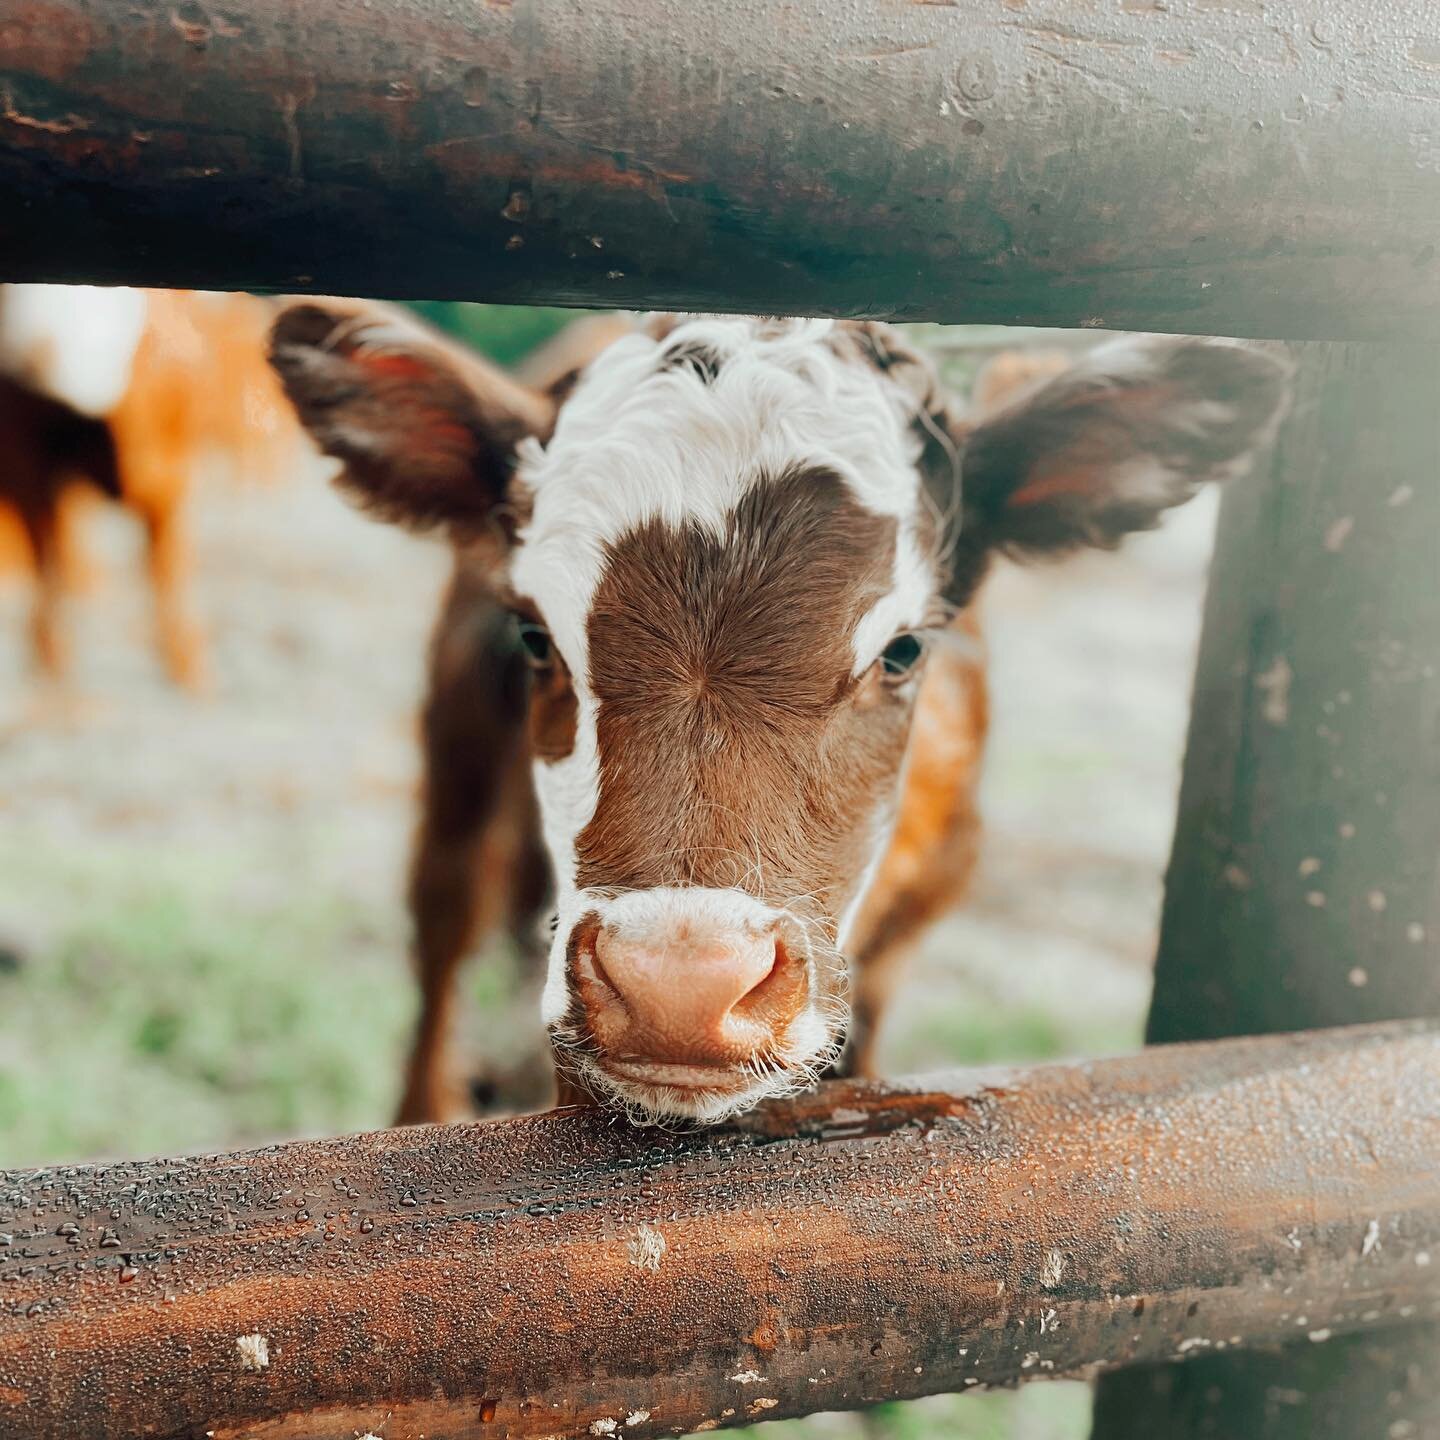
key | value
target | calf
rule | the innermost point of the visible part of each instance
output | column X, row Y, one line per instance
column 710, row 656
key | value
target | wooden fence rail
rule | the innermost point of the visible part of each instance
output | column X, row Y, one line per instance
column 1217, row 169
column 564, row 1275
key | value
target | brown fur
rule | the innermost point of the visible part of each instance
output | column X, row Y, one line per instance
column 741, row 748
column 426, row 429
column 478, row 863
column 1011, row 374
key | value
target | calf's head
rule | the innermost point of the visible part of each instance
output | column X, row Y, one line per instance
column 728, row 544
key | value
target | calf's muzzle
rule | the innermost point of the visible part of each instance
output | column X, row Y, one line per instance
column 679, row 986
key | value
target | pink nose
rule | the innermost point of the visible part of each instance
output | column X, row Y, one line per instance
column 692, row 993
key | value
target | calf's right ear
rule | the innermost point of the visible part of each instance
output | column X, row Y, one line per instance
column 1109, row 444
column 426, row 430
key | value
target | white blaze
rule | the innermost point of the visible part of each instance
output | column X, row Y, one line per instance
column 75, row 343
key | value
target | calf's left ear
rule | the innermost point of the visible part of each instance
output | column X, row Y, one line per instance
column 425, row 429
column 1110, row 444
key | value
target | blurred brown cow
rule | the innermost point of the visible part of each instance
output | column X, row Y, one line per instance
column 167, row 376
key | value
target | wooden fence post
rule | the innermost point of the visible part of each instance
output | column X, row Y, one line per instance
column 1304, row 888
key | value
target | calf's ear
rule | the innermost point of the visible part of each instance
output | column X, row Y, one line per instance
column 1110, row 444
column 426, row 431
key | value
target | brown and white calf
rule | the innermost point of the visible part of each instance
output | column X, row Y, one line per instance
column 711, row 636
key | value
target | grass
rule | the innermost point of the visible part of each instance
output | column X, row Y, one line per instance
column 504, row 332
column 1058, row 1410
column 1019, row 1031
column 165, row 1011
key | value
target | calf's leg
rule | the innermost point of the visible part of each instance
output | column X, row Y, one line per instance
column 477, row 863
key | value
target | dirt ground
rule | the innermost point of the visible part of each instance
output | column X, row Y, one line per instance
column 201, row 937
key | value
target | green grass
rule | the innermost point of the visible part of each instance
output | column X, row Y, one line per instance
column 503, row 332
column 1055, row 1411
column 999, row 1034
column 164, row 1011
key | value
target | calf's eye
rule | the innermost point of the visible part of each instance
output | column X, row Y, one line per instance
column 535, row 642
column 901, row 656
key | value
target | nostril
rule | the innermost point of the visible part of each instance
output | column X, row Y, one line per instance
column 778, row 994
column 594, row 972
column 755, row 993
column 755, row 966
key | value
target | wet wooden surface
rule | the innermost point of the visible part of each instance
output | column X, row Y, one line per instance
column 566, row 1275
column 1213, row 168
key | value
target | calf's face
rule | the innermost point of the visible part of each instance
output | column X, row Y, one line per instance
column 728, row 547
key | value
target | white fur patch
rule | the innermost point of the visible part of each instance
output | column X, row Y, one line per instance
column 75, row 343
column 635, row 442
column 904, row 608
column 638, row 914
column 879, row 845
column 568, row 790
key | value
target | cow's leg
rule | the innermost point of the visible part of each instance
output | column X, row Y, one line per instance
column 927, row 868
column 880, row 961
column 177, row 635
column 478, row 839
column 40, row 520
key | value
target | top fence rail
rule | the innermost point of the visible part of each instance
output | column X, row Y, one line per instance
column 1184, row 165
